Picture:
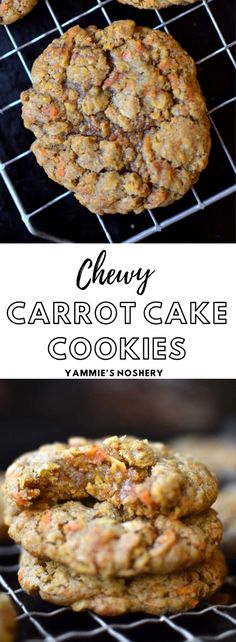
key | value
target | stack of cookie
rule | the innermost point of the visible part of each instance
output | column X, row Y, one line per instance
column 116, row 525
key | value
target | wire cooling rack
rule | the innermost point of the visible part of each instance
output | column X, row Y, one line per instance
column 205, row 30
column 37, row 620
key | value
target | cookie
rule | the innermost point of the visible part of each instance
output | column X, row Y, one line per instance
column 12, row 10
column 226, row 507
column 3, row 527
column 95, row 541
column 150, row 593
column 136, row 476
column 118, row 116
column 155, row 4
column 7, row 619
column 217, row 453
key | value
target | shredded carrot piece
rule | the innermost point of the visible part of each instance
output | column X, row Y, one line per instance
column 164, row 64
column 126, row 53
column 46, row 517
column 51, row 111
column 20, row 500
column 147, row 499
column 54, row 111
column 148, row 143
column 189, row 93
column 61, row 170
column 99, row 456
column 173, row 77
column 138, row 46
column 112, row 78
column 185, row 590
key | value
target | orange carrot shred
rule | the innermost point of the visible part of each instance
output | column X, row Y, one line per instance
column 146, row 498
column 46, row 517
column 61, row 170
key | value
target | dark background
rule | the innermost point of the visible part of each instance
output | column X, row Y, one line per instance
column 193, row 27
column 215, row 225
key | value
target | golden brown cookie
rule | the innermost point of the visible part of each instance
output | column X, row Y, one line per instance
column 7, row 619
column 119, row 117
column 150, row 593
column 217, row 453
column 225, row 506
column 95, row 541
column 141, row 478
column 12, row 10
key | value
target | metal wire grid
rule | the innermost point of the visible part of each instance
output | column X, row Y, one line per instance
column 37, row 620
column 152, row 221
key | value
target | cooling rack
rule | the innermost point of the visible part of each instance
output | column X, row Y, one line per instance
column 205, row 30
column 37, row 620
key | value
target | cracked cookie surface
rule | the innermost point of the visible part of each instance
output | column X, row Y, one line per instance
column 118, row 116
column 139, row 477
column 12, row 10
column 156, row 594
column 95, row 541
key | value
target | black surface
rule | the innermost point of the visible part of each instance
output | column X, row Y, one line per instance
column 215, row 224
column 66, row 219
